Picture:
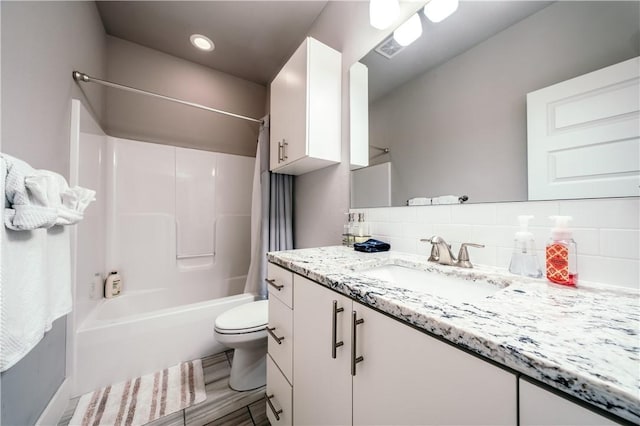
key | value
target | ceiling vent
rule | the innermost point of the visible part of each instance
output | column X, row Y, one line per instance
column 389, row 47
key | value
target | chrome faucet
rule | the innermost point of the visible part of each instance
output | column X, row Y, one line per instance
column 441, row 252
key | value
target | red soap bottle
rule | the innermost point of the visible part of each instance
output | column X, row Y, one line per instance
column 561, row 254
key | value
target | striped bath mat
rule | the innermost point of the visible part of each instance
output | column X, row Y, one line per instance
column 144, row 399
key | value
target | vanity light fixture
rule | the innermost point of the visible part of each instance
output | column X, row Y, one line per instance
column 439, row 10
column 382, row 13
column 408, row 32
column 202, row 42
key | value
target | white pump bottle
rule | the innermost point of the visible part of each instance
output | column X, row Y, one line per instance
column 524, row 261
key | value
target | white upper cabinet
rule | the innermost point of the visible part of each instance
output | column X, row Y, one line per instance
column 306, row 110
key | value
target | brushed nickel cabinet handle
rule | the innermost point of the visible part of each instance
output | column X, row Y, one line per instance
column 354, row 358
column 277, row 339
column 273, row 284
column 284, row 149
column 334, row 320
column 273, row 409
column 280, row 149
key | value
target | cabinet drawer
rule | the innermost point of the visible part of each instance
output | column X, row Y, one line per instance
column 281, row 336
column 280, row 283
column 279, row 396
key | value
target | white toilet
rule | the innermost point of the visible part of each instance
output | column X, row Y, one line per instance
column 243, row 329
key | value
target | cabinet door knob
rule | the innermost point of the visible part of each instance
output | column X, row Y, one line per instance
column 334, row 319
column 354, row 358
column 272, row 334
column 273, row 284
column 275, row 412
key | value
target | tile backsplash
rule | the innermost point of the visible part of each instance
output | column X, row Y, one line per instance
column 607, row 232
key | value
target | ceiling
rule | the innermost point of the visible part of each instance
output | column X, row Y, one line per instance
column 473, row 23
column 253, row 39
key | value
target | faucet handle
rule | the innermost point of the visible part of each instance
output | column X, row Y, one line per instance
column 463, row 255
column 435, row 255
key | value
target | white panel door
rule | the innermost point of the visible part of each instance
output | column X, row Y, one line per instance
column 322, row 384
column 540, row 407
column 584, row 135
column 409, row 378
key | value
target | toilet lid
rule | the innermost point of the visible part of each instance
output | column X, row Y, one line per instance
column 244, row 318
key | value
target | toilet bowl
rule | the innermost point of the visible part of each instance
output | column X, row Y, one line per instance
column 243, row 329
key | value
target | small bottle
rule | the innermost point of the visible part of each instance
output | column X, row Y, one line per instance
column 362, row 230
column 112, row 285
column 524, row 261
column 561, row 254
column 348, row 230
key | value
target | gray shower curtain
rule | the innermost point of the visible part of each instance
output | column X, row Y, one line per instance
column 271, row 215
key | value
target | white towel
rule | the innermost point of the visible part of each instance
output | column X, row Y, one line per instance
column 446, row 199
column 35, row 285
column 419, row 201
column 40, row 198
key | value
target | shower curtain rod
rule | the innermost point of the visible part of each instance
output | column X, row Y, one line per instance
column 82, row 77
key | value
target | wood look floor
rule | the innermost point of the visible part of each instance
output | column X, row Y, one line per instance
column 223, row 405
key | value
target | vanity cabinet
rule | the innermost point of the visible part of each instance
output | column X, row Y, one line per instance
column 280, row 346
column 323, row 383
column 305, row 107
column 541, row 407
column 402, row 377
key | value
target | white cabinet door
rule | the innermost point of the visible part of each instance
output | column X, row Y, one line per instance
column 279, row 396
column 289, row 111
column 322, row 384
column 541, row 407
column 407, row 377
column 306, row 110
column 584, row 135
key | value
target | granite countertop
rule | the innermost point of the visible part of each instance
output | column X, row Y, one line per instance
column 583, row 341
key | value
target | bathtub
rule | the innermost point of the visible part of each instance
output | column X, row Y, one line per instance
column 139, row 333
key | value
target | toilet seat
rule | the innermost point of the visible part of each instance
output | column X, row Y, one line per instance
column 243, row 319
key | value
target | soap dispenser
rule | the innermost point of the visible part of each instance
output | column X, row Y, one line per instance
column 561, row 253
column 524, row 261
column 362, row 230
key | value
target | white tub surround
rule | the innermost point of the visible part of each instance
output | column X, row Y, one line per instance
column 582, row 341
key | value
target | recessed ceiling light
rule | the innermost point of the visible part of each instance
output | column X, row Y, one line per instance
column 202, row 42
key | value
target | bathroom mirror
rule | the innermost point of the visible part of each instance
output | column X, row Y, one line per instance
column 448, row 113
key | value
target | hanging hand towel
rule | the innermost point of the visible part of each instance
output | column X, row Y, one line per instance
column 40, row 198
column 36, row 264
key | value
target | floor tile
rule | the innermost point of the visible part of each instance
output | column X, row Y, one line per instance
column 173, row 419
column 258, row 412
column 215, row 367
column 239, row 417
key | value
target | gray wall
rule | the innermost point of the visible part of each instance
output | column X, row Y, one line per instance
column 322, row 197
column 42, row 43
column 461, row 128
column 139, row 117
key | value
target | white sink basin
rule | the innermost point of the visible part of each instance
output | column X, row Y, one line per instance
column 450, row 287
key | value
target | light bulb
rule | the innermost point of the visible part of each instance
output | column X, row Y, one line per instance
column 408, row 32
column 382, row 13
column 439, row 10
column 202, row 42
